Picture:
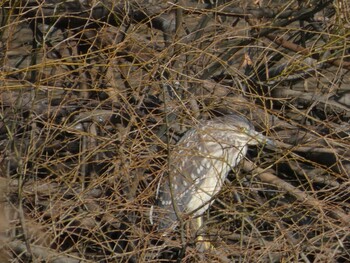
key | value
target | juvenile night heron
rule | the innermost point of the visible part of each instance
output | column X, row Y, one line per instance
column 199, row 164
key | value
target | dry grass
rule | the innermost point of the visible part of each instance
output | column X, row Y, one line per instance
column 88, row 114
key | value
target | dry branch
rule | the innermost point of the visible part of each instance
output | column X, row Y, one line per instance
column 94, row 93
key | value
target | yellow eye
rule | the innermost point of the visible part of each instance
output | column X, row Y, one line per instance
column 243, row 129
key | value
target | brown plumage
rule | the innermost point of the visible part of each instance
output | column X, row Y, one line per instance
column 199, row 164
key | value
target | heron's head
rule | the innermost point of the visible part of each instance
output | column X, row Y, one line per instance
column 242, row 129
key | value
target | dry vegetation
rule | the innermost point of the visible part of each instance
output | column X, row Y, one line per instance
column 94, row 93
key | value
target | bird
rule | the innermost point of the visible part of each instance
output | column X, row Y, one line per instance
column 198, row 165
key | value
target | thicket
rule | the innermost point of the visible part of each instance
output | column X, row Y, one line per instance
column 94, row 93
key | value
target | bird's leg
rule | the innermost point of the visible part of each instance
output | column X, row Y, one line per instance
column 201, row 243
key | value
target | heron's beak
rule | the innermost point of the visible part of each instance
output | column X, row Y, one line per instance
column 258, row 138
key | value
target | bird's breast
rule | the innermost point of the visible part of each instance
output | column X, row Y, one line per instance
column 211, row 172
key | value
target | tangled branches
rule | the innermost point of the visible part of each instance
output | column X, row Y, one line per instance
column 94, row 93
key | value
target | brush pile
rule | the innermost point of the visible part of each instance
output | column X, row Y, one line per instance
column 94, row 94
